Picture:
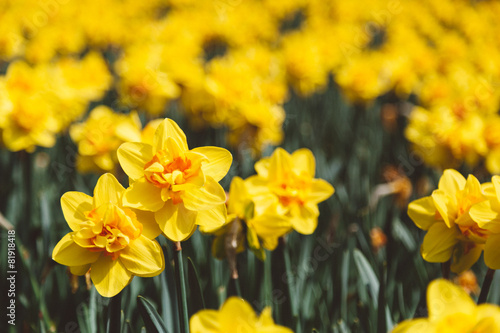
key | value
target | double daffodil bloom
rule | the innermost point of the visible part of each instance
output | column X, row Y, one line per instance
column 487, row 216
column 235, row 315
column 178, row 184
column 446, row 216
column 114, row 242
column 288, row 182
column 452, row 310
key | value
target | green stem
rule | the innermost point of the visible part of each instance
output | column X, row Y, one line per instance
column 181, row 287
column 290, row 282
column 485, row 288
column 114, row 314
column 236, row 282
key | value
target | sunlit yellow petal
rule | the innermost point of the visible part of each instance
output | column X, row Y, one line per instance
column 169, row 129
column 108, row 190
column 109, row 276
column 176, row 222
column 492, row 251
column 133, row 156
column 211, row 219
column 206, row 197
column 442, row 202
column 451, row 182
column 205, row 321
column 483, row 214
column 279, row 162
column 414, row 326
column 143, row 195
column 236, row 315
column 79, row 270
column 423, row 212
column 320, row 191
column 439, row 243
column 304, row 220
column 465, row 255
column 445, row 299
column 150, row 228
column 303, row 160
column 74, row 205
column 219, row 161
column 143, row 257
column 68, row 253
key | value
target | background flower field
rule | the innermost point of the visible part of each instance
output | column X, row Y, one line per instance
column 386, row 96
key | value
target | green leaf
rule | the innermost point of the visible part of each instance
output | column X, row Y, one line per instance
column 150, row 317
column 368, row 276
column 196, row 299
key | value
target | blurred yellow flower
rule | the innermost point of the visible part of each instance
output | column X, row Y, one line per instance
column 288, row 182
column 235, row 315
column 452, row 310
column 178, row 184
column 114, row 242
column 451, row 232
column 100, row 135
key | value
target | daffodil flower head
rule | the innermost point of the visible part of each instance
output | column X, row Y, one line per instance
column 451, row 232
column 452, row 310
column 115, row 242
column 288, row 181
column 487, row 216
column 235, row 315
column 178, row 184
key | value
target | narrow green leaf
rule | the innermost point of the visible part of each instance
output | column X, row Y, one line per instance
column 196, row 294
column 150, row 316
column 368, row 276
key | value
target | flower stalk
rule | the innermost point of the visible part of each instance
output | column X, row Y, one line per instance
column 181, row 287
column 485, row 288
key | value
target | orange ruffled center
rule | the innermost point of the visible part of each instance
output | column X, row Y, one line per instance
column 292, row 189
column 109, row 229
column 174, row 173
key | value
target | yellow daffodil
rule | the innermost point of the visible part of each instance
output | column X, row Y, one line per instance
column 100, row 135
column 235, row 315
column 452, row 310
column 263, row 229
column 178, row 184
column 288, row 182
column 114, row 242
column 487, row 216
column 451, row 232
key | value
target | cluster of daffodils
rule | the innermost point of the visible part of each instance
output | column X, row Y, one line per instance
column 172, row 189
column 282, row 197
column 452, row 310
column 462, row 219
column 39, row 101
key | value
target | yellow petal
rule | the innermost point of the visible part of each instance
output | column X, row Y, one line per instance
column 133, row 156
column 79, row 270
column 280, row 163
column 212, row 219
column 109, row 276
column 150, row 228
column 262, row 167
column 414, row 326
column 236, row 314
column 451, row 182
column 238, row 198
column 485, row 216
column 68, row 253
column 219, row 161
column 490, row 313
column 439, row 243
column 270, row 225
column 422, row 212
column 320, row 191
column 205, row 321
column 143, row 195
column 169, row 129
column 445, row 299
column 143, row 257
column 108, row 190
column 74, row 205
column 176, row 222
column 206, row 197
column 304, row 220
column 444, row 206
column 303, row 160
column 492, row 251
column 495, row 180
column 463, row 261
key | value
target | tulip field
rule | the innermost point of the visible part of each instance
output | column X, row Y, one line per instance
column 249, row 166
